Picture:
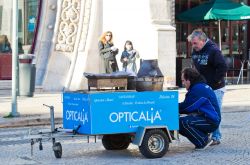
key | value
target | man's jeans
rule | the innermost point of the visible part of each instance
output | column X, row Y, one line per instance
column 219, row 94
column 196, row 129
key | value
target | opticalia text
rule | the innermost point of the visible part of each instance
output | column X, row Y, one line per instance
column 135, row 116
column 77, row 116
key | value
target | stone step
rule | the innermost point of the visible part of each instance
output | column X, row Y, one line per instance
column 6, row 87
column 38, row 89
column 5, row 84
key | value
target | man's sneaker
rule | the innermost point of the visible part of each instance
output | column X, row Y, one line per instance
column 210, row 141
column 215, row 142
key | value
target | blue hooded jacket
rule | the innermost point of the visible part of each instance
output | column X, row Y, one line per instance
column 201, row 100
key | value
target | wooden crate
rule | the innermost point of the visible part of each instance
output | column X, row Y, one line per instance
column 102, row 83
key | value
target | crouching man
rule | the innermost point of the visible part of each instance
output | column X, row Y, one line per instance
column 201, row 108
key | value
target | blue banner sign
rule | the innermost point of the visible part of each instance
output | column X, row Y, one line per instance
column 119, row 112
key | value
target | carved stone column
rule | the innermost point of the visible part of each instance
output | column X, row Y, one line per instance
column 63, row 51
column 74, row 49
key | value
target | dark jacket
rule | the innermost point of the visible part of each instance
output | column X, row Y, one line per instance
column 130, row 64
column 131, row 57
column 201, row 100
column 105, row 50
column 108, row 57
column 211, row 64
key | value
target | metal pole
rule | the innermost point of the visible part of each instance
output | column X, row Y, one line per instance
column 52, row 119
column 219, row 34
column 14, row 112
column 248, row 66
column 242, row 73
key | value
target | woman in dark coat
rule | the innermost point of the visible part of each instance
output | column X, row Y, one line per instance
column 108, row 52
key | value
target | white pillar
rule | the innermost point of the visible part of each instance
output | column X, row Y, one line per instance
column 161, row 16
column 167, row 54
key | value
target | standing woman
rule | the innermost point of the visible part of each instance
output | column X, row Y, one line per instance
column 128, row 58
column 108, row 52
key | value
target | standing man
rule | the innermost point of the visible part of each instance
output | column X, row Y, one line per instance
column 210, row 63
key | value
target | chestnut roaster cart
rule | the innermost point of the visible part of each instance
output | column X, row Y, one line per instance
column 145, row 118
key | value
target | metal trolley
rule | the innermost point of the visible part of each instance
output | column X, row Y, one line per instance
column 147, row 119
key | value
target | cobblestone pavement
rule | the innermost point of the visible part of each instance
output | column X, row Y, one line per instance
column 234, row 149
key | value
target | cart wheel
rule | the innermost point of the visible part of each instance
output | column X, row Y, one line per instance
column 155, row 144
column 116, row 142
column 57, row 148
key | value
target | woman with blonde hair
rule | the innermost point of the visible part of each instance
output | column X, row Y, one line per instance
column 108, row 52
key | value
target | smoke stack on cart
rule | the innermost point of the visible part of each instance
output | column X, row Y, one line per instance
column 149, row 77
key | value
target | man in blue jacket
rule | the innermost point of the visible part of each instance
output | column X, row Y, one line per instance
column 201, row 109
column 210, row 63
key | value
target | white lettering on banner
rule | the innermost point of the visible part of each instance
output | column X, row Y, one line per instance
column 144, row 102
column 167, row 97
column 99, row 100
column 127, row 97
column 77, row 116
column 245, row 17
column 135, row 116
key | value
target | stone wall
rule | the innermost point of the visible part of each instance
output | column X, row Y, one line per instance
column 78, row 25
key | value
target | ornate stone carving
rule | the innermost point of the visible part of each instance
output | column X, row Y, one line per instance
column 68, row 25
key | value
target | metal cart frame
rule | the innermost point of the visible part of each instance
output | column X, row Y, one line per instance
column 153, row 141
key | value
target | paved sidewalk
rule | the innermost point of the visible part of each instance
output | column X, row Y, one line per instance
column 31, row 109
column 32, row 112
